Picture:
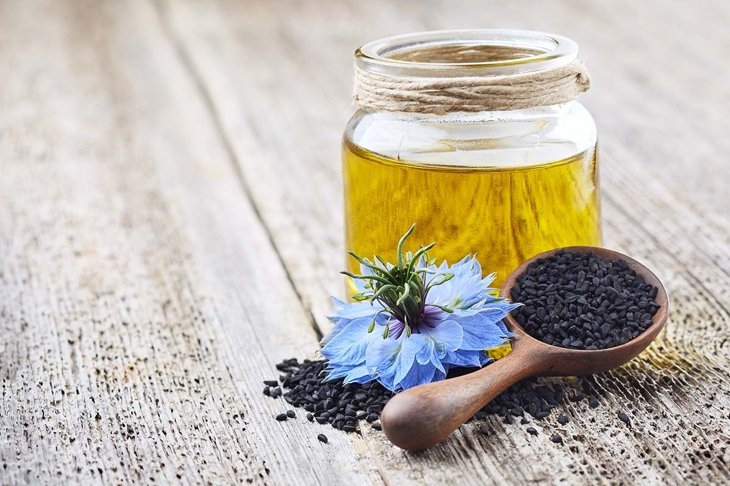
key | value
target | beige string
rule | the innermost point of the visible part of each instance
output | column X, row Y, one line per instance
column 440, row 95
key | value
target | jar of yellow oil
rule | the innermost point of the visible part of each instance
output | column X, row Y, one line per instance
column 476, row 138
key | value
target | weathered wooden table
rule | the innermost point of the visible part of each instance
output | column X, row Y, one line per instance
column 170, row 227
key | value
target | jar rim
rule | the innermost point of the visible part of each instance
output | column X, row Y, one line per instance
column 541, row 51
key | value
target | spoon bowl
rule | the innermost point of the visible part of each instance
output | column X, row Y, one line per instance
column 425, row 415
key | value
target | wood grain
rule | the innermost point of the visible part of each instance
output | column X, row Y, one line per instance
column 142, row 303
column 659, row 205
column 170, row 227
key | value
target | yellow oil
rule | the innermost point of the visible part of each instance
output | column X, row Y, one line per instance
column 504, row 215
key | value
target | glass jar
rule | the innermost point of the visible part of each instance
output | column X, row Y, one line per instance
column 501, row 184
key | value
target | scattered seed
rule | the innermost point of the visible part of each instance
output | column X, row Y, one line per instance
column 556, row 438
column 281, row 417
column 624, row 418
column 290, row 414
column 377, row 426
column 531, row 430
column 322, row 438
column 287, row 364
column 271, row 383
column 562, row 419
column 483, row 429
column 593, row 402
column 343, row 406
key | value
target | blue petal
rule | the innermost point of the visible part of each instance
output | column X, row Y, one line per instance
column 427, row 352
column 346, row 312
column 487, row 281
column 339, row 371
column 358, row 374
column 410, row 346
column 466, row 359
column 335, row 372
column 420, row 375
column 480, row 332
column 349, row 345
column 430, row 355
column 380, row 352
column 464, row 290
column 484, row 358
column 448, row 335
column 503, row 328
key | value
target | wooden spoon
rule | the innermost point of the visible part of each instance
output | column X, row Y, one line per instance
column 422, row 416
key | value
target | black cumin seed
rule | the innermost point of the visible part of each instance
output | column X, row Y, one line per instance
column 281, row 417
column 531, row 430
column 562, row 419
column 590, row 302
column 271, row 383
column 593, row 402
column 322, row 438
column 624, row 418
column 343, row 406
column 556, row 438
column 377, row 426
column 290, row 414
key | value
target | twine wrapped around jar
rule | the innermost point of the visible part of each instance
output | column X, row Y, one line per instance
column 376, row 91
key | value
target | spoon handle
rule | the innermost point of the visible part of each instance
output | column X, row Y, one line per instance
column 422, row 416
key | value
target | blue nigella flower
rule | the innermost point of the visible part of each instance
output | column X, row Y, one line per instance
column 412, row 321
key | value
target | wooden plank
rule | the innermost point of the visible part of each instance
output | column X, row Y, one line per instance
column 279, row 80
column 141, row 300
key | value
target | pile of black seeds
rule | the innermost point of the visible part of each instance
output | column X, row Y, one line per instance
column 333, row 402
column 344, row 406
column 581, row 301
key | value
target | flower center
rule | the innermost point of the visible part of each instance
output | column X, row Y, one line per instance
column 430, row 317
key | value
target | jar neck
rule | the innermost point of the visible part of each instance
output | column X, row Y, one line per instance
column 466, row 53
column 468, row 71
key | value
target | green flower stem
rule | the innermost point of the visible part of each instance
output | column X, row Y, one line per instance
column 401, row 289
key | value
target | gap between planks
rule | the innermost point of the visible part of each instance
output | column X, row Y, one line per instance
column 205, row 95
